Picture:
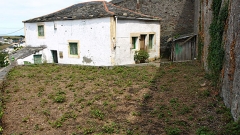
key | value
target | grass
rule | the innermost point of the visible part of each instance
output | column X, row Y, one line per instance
column 57, row 99
column 4, row 46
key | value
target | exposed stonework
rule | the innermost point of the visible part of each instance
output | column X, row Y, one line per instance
column 177, row 15
column 230, row 90
column 205, row 21
column 231, row 77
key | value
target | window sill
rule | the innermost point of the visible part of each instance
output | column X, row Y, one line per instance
column 41, row 37
column 73, row 56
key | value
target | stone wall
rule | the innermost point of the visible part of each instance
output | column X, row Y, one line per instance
column 231, row 69
column 230, row 87
column 178, row 16
column 205, row 20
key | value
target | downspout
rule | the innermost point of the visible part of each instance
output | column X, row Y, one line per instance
column 115, row 44
column 116, row 32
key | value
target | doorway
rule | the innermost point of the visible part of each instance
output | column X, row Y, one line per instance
column 37, row 58
column 55, row 56
column 142, row 42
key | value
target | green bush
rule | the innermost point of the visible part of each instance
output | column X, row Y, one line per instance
column 141, row 56
column 3, row 60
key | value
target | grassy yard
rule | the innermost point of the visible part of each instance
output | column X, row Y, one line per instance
column 175, row 99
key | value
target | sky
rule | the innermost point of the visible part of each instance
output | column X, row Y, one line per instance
column 13, row 12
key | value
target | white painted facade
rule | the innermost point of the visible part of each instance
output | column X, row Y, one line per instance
column 134, row 28
column 95, row 38
column 92, row 36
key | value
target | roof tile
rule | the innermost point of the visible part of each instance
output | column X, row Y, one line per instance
column 88, row 10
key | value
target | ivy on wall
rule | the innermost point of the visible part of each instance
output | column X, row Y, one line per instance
column 216, row 50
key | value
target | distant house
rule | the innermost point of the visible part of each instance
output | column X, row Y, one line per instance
column 93, row 33
column 1, row 39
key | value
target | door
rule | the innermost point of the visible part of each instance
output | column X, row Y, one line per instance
column 54, row 55
column 142, row 42
column 37, row 58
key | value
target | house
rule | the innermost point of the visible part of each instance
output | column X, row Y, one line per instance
column 1, row 39
column 94, row 33
column 180, row 17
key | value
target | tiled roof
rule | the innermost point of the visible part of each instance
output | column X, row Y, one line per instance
column 116, row 1
column 88, row 10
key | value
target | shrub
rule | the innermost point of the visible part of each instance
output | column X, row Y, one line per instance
column 3, row 60
column 141, row 56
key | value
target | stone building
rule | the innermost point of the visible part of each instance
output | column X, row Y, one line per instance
column 178, row 17
column 92, row 33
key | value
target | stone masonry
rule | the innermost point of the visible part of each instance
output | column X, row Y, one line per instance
column 231, row 69
column 178, row 16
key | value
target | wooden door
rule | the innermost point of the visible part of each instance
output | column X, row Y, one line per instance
column 37, row 59
column 142, row 42
column 54, row 55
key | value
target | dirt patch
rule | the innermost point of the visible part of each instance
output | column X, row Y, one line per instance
column 68, row 100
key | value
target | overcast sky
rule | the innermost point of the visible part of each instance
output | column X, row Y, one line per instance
column 13, row 12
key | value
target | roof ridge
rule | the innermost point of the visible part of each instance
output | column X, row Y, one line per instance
column 134, row 11
column 106, row 8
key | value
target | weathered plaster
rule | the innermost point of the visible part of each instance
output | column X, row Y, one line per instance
column 93, row 36
column 128, row 28
column 101, row 41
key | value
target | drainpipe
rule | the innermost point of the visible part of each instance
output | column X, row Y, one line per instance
column 116, row 32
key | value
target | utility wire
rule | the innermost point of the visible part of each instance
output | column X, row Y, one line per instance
column 7, row 28
column 13, row 32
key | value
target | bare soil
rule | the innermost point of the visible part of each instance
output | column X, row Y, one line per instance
column 52, row 99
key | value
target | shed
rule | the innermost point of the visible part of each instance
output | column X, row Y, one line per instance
column 184, row 48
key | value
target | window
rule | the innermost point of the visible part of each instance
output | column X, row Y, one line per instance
column 134, row 42
column 151, row 40
column 41, row 30
column 73, row 48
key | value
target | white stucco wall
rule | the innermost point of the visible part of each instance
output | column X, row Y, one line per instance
column 30, row 58
column 93, row 36
column 124, row 53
